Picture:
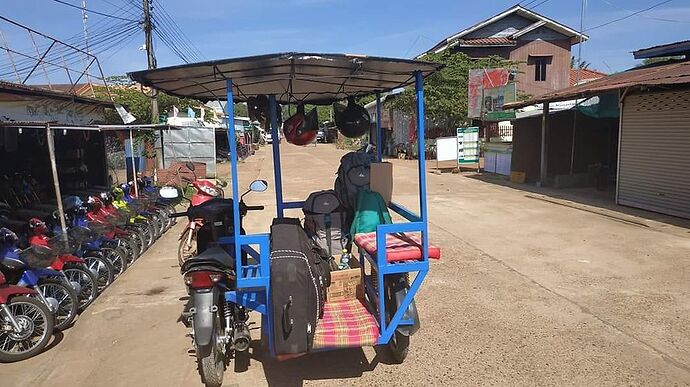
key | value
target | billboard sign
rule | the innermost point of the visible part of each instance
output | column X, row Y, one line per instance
column 468, row 145
column 477, row 82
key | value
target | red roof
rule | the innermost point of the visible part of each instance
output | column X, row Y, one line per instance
column 586, row 75
column 486, row 42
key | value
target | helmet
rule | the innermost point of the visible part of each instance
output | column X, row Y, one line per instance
column 106, row 198
column 94, row 203
column 258, row 110
column 37, row 226
column 72, row 203
column 7, row 236
column 301, row 129
column 353, row 121
column 118, row 193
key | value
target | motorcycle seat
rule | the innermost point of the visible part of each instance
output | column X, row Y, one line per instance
column 214, row 256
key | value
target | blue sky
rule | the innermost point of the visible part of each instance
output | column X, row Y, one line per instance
column 402, row 28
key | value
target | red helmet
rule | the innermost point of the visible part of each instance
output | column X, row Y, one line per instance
column 37, row 226
column 301, row 129
column 95, row 203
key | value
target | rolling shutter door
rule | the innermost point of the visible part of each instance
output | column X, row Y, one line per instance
column 654, row 169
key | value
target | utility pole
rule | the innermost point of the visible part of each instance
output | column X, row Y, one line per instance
column 148, row 31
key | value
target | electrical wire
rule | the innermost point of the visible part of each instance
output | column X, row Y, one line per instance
column 176, row 27
column 630, row 15
column 648, row 17
column 541, row 3
column 92, row 11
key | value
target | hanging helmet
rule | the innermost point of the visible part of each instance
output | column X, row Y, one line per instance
column 353, row 121
column 301, row 129
column 37, row 226
column 118, row 193
column 7, row 236
column 258, row 110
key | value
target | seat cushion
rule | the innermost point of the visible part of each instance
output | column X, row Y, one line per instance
column 399, row 246
column 345, row 324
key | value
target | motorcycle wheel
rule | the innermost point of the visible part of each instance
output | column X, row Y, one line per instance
column 185, row 250
column 132, row 243
column 163, row 220
column 102, row 269
column 87, row 281
column 37, row 324
column 399, row 344
column 154, row 221
column 212, row 364
column 139, row 234
column 148, row 234
column 66, row 299
column 117, row 257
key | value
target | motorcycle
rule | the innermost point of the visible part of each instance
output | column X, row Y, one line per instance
column 218, row 326
column 26, row 324
column 27, row 268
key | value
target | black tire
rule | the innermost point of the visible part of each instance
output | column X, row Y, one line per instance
column 185, row 252
column 399, row 344
column 132, row 243
column 87, row 280
column 103, row 270
column 68, row 301
column 42, row 325
column 148, row 234
column 211, row 362
column 139, row 235
column 117, row 257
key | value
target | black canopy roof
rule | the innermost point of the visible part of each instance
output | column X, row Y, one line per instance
column 292, row 77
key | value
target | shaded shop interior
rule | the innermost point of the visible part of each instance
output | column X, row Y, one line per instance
column 581, row 143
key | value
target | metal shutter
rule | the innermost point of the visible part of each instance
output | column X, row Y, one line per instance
column 654, row 168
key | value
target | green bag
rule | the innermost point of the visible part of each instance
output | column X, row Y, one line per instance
column 371, row 211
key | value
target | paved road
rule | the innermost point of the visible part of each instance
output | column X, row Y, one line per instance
column 528, row 292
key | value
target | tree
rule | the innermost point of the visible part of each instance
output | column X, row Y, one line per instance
column 651, row 61
column 445, row 92
column 579, row 63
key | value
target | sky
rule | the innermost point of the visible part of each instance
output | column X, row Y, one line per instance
column 397, row 28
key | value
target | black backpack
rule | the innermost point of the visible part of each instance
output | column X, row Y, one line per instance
column 298, row 287
column 353, row 175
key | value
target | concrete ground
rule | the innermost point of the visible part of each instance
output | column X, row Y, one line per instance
column 531, row 290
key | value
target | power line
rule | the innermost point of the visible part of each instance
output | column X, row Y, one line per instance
column 648, row 17
column 630, row 15
column 176, row 27
column 92, row 11
column 536, row 5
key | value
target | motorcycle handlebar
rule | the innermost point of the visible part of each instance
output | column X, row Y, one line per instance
column 254, row 208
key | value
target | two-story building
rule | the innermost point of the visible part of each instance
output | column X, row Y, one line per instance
column 540, row 45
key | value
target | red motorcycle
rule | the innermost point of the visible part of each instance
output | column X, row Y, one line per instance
column 26, row 324
column 204, row 191
column 74, row 269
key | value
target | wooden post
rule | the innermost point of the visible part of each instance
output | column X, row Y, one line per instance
column 56, row 183
column 544, row 132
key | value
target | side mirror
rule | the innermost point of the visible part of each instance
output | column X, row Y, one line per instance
column 189, row 165
column 169, row 193
column 258, row 186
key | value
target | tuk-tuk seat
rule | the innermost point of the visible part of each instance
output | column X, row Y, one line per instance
column 399, row 246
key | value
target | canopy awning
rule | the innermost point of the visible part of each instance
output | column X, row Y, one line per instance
column 291, row 77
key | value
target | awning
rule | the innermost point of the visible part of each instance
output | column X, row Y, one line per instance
column 291, row 77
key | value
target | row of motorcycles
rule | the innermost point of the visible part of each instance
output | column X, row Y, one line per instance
column 49, row 275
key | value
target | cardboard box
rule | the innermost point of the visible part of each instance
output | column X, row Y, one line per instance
column 345, row 284
column 517, row 177
column 381, row 180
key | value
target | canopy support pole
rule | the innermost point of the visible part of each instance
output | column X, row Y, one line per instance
column 419, row 88
column 56, row 183
column 233, row 171
column 134, row 168
column 379, row 132
column 277, row 178
column 544, row 131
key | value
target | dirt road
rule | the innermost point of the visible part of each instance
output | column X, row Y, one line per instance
column 528, row 292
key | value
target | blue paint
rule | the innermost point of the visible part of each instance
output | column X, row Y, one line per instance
column 379, row 132
column 235, row 176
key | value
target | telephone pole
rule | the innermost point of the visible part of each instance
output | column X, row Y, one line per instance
column 148, row 31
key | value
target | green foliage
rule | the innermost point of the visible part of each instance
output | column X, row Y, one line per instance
column 650, row 61
column 241, row 110
column 579, row 63
column 445, row 92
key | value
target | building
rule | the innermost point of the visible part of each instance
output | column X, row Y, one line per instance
column 580, row 76
column 541, row 45
column 652, row 133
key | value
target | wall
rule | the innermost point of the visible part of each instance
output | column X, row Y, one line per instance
column 596, row 141
column 557, row 73
column 501, row 28
column 195, row 144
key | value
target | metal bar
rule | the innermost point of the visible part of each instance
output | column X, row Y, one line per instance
column 45, row 73
column 419, row 88
column 293, row 205
column 621, row 105
column 387, row 330
column 404, row 212
column 272, row 106
column 50, row 139
column 544, row 130
column 134, row 168
column 234, row 175
column 379, row 132
column 9, row 55
column 40, row 60
column 82, row 75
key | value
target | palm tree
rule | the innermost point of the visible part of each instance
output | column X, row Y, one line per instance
column 578, row 63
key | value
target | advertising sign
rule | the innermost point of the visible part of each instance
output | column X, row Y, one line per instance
column 468, row 145
column 496, row 97
column 478, row 81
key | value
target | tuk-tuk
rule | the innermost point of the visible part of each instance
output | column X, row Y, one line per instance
column 387, row 314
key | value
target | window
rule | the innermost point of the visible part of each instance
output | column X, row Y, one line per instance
column 540, row 69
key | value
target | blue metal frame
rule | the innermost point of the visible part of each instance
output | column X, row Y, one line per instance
column 253, row 281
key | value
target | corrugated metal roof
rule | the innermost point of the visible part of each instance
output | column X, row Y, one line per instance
column 20, row 89
column 665, row 74
column 671, row 49
column 585, row 75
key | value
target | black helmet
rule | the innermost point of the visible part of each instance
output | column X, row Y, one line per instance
column 7, row 236
column 257, row 108
column 353, row 121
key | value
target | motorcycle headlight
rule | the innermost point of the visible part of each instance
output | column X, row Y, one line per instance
column 209, row 190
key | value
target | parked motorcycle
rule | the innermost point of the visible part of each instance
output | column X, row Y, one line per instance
column 219, row 327
column 26, row 324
